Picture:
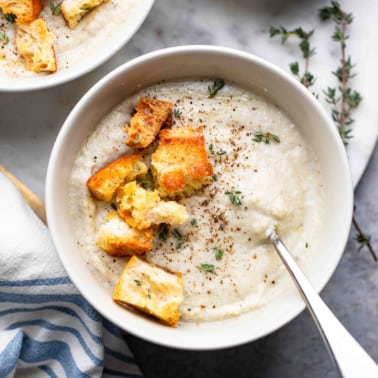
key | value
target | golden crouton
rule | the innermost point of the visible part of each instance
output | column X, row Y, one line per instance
column 117, row 238
column 151, row 290
column 34, row 43
column 142, row 209
column 150, row 116
column 180, row 164
column 74, row 10
column 24, row 10
column 104, row 182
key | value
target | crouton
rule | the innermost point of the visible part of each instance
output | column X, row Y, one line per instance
column 34, row 43
column 150, row 289
column 141, row 208
column 24, row 10
column 74, row 10
column 146, row 123
column 117, row 238
column 105, row 182
column 180, row 164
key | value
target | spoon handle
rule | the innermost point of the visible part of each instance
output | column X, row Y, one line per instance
column 348, row 356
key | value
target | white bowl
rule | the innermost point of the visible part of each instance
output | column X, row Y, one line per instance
column 105, row 48
column 232, row 65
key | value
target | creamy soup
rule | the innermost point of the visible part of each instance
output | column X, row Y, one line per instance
column 268, row 184
column 71, row 46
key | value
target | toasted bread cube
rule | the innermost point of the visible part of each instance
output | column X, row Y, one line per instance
column 34, row 43
column 74, row 10
column 150, row 289
column 24, row 10
column 180, row 164
column 117, row 238
column 146, row 123
column 141, row 208
column 105, row 182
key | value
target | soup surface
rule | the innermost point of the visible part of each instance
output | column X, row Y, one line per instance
column 259, row 158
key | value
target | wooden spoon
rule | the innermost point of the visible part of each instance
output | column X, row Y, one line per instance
column 32, row 199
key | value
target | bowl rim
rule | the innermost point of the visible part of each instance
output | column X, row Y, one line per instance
column 318, row 286
column 65, row 78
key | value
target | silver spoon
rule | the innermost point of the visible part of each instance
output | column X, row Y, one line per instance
column 349, row 357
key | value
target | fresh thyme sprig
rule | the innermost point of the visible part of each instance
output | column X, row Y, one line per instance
column 363, row 239
column 304, row 76
column 215, row 88
column 260, row 136
column 4, row 38
column 10, row 17
column 55, row 9
column 343, row 98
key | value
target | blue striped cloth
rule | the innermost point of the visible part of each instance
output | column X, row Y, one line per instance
column 47, row 329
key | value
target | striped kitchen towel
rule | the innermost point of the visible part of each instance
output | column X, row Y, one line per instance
column 47, row 329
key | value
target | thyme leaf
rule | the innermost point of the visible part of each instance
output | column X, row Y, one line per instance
column 10, row 17
column 266, row 137
column 177, row 113
column 218, row 253
column 163, row 231
column 234, row 197
column 213, row 90
column 147, row 181
column 4, row 38
column 55, row 9
column 208, row 268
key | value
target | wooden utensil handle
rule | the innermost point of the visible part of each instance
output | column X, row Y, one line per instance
column 33, row 200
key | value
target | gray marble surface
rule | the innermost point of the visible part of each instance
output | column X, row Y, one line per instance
column 31, row 121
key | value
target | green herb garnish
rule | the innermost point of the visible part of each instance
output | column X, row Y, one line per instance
column 138, row 283
column 163, row 231
column 177, row 113
column 211, row 147
column 306, row 78
column 218, row 253
column 147, row 181
column 260, row 136
column 217, row 86
column 55, row 9
column 179, row 244
column 10, row 17
column 177, row 234
column 234, row 197
column 4, row 38
column 221, row 152
column 208, row 268
column 306, row 245
column 194, row 222
column 343, row 98
column 215, row 178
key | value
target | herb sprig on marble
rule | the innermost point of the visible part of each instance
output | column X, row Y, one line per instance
column 342, row 98
column 303, row 74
